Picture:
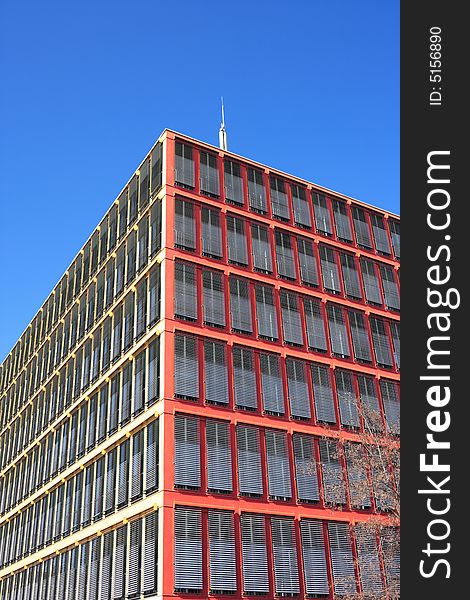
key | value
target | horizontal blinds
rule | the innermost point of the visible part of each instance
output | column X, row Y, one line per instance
column 236, row 240
column 291, row 324
column 215, row 373
column 219, row 458
column 322, row 214
column 380, row 234
column 271, row 384
column 395, row 235
column 329, row 269
column 261, row 249
column 338, row 330
column 360, row 336
column 211, row 233
column 390, row 542
column 240, row 306
column 233, row 182
column 352, row 286
column 361, row 228
column 187, row 452
column 151, row 457
column 134, row 579
column 359, row 491
column 301, row 207
column 323, row 393
column 316, row 335
column 395, row 331
column 314, row 557
column 188, row 549
column 222, row 559
column 186, row 367
column 342, row 222
column 299, row 397
column 390, row 287
column 286, row 570
column 371, row 283
column 332, row 471
column 370, row 407
column 254, row 554
column 391, row 403
column 150, row 554
column 279, row 200
column 244, row 378
column 284, row 255
column 266, row 312
column 307, row 262
column 214, row 301
column 305, row 468
column 383, row 355
column 368, row 560
column 256, row 191
column 184, row 165
column 250, row 477
column 209, row 174
column 346, row 398
column 185, row 291
column 279, row 482
column 185, row 225
column 342, row 562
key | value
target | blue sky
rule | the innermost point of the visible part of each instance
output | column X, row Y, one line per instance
column 310, row 87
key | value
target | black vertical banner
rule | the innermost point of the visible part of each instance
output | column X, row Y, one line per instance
column 435, row 209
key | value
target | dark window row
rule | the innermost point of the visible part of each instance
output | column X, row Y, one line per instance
column 129, row 391
column 295, row 258
column 131, row 319
column 318, row 555
column 296, row 467
column 119, row 564
column 113, row 481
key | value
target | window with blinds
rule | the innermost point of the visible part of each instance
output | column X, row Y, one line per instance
column 286, row 569
column 368, row 560
column 371, row 282
column 219, row 457
column 307, row 262
column 110, row 485
column 126, row 394
column 233, row 182
column 329, row 270
column 156, row 164
column 332, row 471
column 347, row 400
column 352, row 285
column 185, row 225
column 154, row 295
column 342, row 222
column 279, row 477
column 299, row 397
column 291, row 323
column 215, row 373
column 186, row 368
column 222, row 559
column 184, row 165
column 150, row 554
column 139, row 384
column 188, row 550
column 236, row 241
column 316, row 334
column 244, row 378
column 322, row 214
column 323, row 393
column 314, row 558
column 358, row 481
column 185, row 291
column 151, row 457
column 391, row 404
column 301, row 208
column 213, row 298
column 359, row 336
column 395, row 331
column 211, row 235
column 256, row 191
column 390, row 542
column 120, row 564
column 250, row 476
column 382, row 243
column 306, row 478
column 137, row 471
column 284, row 255
column 361, row 228
column 240, row 306
column 254, row 554
column 266, row 313
column 271, row 385
column 338, row 331
column 187, row 452
column 370, row 407
column 261, row 249
column 394, row 228
column 390, row 287
column 155, row 227
column 279, row 199
column 153, row 384
column 380, row 341
column 141, row 309
column 342, row 561
column 123, row 475
column 209, row 175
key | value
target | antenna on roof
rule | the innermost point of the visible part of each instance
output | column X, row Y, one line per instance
column 222, row 132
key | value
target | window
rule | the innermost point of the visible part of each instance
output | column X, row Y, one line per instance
column 279, row 200
column 383, row 355
column 236, row 239
column 391, row 403
column 359, row 493
column 299, row 397
column 122, row 216
column 352, row 285
column 307, row 262
column 150, row 551
column 322, row 214
column 153, row 386
column 338, row 331
column 279, row 482
column 143, row 243
column 214, row 300
column 390, row 287
column 137, row 465
column 370, row 408
column 323, row 393
column 188, row 550
column 184, row 165
column 244, row 378
column 215, row 373
column 209, row 175
column 219, row 457
column 250, row 476
column 128, row 321
column 371, row 282
column 211, row 233
column 333, row 480
column 261, row 249
column 271, row 384
column 266, row 313
column 156, row 158
column 185, row 291
column 151, row 457
column 240, row 307
column 301, row 207
column 222, row 559
column 380, row 234
column 284, row 256
column 186, row 367
column 233, row 183
column 306, row 477
column 123, row 475
column 361, row 228
column 368, row 560
column 256, row 191
column 314, row 558
column 329, row 269
column 342, row 562
column 316, row 335
column 187, row 452
column 395, row 331
column 394, row 227
column 144, row 184
column 156, row 227
column 360, row 336
column 141, row 308
column 185, row 225
column 346, row 398
column 342, row 223
column 286, row 570
column 154, row 295
column 291, row 325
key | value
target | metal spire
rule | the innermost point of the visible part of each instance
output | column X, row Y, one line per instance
column 222, row 132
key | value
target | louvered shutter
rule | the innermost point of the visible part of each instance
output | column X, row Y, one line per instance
column 135, row 559
column 123, row 475
column 279, row 482
column 236, row 240
column 346, row 398
column 254, row 554
column 233, row 183
column 188, row 549
column 307, row 262
column 143, row 243
column 338, row 330
column 370, row 403
column 156, row 227
column 314, row 558
column 77, row 501
column 329, row 270
column 219, row 457
column 291, row 324
column 256, row 191
column 126, row 394
column 151, row 457
column 380, row 341
column 72, row 573
column 117, row 333
column 153, row 385
column 156, row 159
column 380, row 234
column 222, row 560
column 129, row 321
column 106, row 566
column 139, row 384
column 360, row 337
column 110, row 493
column 214, row 300
column 395, row 235
column 332, row 471
column 62, row 578
column 154, row 295
column 342, row 561
column 186, row 367
column 244, row 378
column 215, row 373
column 185, row 291
column 390, row 542
column 271, row 384
column 390, row 287
column 279, row 200
column 368, row 560
column 342, row 223
column 95, row 552
column 316, row 335
column 284, row 255
column 185, row 225
column 83, row 571
column 240, row 307
column 286, row 570
column 391, row 403
column 187, row 452
column 361, row 228
column 322, row 214
column 184, row 165
column 59, row 514
column 209, row 174
column 395, row 331
column 211, row 233
column 87, row 495
column 141, row 309
column 306, row 477
column 261, row 249
column 68, row 498
column 114, row 403
column 301, row 208
column 299, row 397
column 92, row 422
column 352, row 286
column 250, row 476
column 150, row 552
column 137, row 465
column 120, row 564
column 371, row 283
column 359, row 492
column 266, row 313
